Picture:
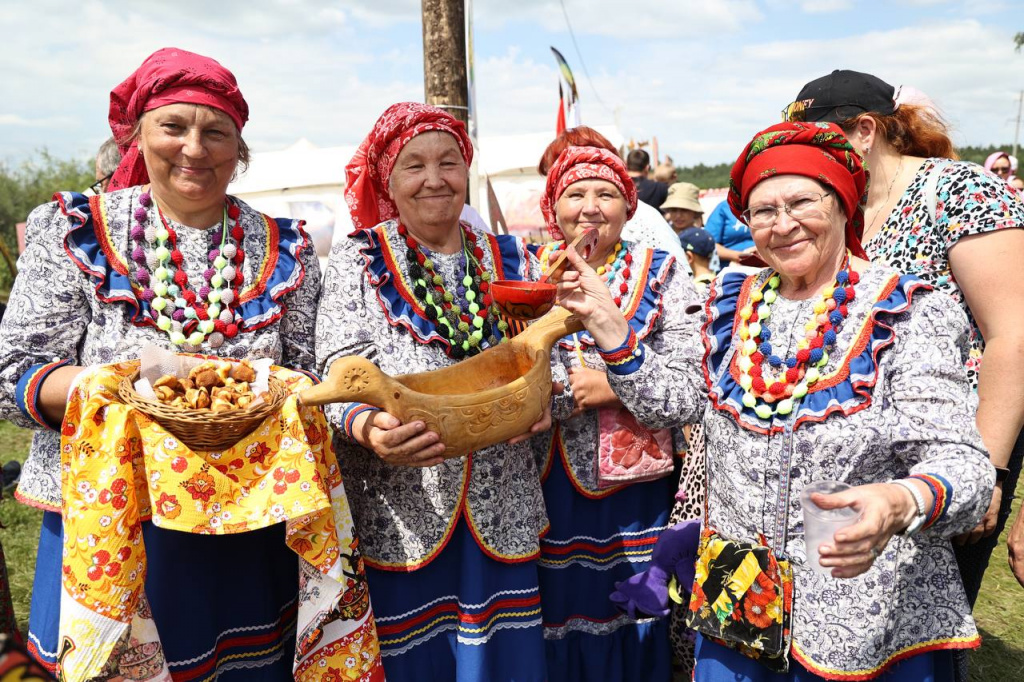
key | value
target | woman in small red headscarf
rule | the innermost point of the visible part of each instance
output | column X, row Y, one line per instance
column 608, row 464
column 450, row 544
column 167, row 257
column 826, row 369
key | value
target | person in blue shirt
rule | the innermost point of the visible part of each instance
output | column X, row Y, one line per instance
column 731, row 235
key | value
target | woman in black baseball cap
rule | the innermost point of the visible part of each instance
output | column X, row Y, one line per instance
column 947, row 222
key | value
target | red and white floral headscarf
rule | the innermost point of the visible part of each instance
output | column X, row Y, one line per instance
column 168, row 76
column 368, row 173
column 584, row 163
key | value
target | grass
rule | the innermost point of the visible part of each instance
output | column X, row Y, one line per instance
column 999, row 612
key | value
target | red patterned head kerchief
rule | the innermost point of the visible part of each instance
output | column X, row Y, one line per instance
column 584, row 163
column 815, row 150
column 168, row 76
column 368, row 173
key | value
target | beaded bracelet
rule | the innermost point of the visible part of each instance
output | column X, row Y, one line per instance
column 626, row 358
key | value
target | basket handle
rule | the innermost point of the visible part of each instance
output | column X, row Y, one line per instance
column 354, row 379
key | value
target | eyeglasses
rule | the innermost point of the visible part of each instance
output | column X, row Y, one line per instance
column 796, row 112
column 1001, row 170
column 802, row 207
column 97, row 187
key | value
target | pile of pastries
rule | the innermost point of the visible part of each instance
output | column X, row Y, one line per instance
column 215, row 385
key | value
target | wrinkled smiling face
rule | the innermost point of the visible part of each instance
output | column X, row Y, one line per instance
column 190, row 151
column 797, row 248
column 592, row 203
column 428, row 182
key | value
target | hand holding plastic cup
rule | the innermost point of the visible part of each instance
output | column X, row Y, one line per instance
column 821, row 525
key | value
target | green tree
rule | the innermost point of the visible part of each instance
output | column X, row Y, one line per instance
column 706, row 177
column 1018, row 40
column 24, row 187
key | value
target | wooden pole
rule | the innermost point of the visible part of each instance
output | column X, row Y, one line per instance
column 444, row 56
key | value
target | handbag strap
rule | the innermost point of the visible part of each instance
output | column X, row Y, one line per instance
column 785, row 482
column 931, row 188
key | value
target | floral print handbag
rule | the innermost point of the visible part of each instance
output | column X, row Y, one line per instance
column 629, row 452
column 742, row 598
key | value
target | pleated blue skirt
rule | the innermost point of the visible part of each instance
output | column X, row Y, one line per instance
column 464, row 617
column 225, row 606
column 717, row 663
column 591, row 545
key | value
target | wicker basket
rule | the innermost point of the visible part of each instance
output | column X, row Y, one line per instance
column 203, row 429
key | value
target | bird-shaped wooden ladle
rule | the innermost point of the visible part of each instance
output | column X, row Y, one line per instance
column 480, row 401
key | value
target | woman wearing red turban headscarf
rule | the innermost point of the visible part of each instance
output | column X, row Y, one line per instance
column 450, row 545
column 825, row 369
column 608, row 468
column 166, row 258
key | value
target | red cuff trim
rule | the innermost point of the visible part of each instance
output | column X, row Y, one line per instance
column 26, row 395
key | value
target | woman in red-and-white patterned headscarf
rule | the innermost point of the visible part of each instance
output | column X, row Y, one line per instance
column 450, row 544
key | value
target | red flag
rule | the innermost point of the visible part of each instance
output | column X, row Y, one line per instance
column 560, row 121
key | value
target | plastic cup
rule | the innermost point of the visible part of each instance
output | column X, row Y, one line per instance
column 821, row 525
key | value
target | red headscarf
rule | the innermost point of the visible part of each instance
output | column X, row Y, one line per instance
column 368, row 173
column 584, row 163
column 818, row 151
column 168, row 76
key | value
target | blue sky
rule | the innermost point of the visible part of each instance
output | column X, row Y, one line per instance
column 702, row 76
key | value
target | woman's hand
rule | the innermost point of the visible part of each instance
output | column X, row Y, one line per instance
column 885, row 508
column 54, row 393
column 584, row 294
column 590, row 389
column 396, row 443
column 1015, row 545
column 987, row 525
column 542, row 424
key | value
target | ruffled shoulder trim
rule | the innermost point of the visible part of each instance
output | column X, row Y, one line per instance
column 845, row 390
column 383, row 252
column 89, row 244
column 651, row 270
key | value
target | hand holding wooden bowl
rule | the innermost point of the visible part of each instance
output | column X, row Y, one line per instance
column 530, row 300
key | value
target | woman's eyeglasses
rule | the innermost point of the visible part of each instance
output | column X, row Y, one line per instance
column 97, row 187
column 802, row 207
column 1001, row 170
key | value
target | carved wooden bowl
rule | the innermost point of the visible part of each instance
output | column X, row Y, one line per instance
column 530, row 300
column 478, row 402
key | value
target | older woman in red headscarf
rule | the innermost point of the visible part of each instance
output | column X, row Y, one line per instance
column 608, row 465
column 824, row 368
column 450, row 544
column 165, row 258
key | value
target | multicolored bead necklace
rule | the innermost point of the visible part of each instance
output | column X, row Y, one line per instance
column 797, row 374
column 189, row 318
column 465, row 328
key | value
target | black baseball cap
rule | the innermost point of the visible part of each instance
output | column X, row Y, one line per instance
column 841, row 95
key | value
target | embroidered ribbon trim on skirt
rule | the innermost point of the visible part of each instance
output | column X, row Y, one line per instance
column 119, row 468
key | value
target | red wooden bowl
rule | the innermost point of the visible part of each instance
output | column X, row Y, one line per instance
column 523, row 300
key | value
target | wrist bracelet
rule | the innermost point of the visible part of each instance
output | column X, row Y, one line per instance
column 1002, row 473
column 921, row 516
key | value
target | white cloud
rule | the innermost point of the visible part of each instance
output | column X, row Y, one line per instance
column 325, row 70
column 825, row 6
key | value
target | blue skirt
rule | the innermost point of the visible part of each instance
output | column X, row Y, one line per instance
column 717, row 663
column 225, row 606
column 591, row 545
column 464, row 617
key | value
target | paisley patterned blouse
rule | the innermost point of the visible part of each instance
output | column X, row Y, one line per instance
column 72, row 303
column 405, row 515
column 659, row 296
column 968, row 201
column 894, row 401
